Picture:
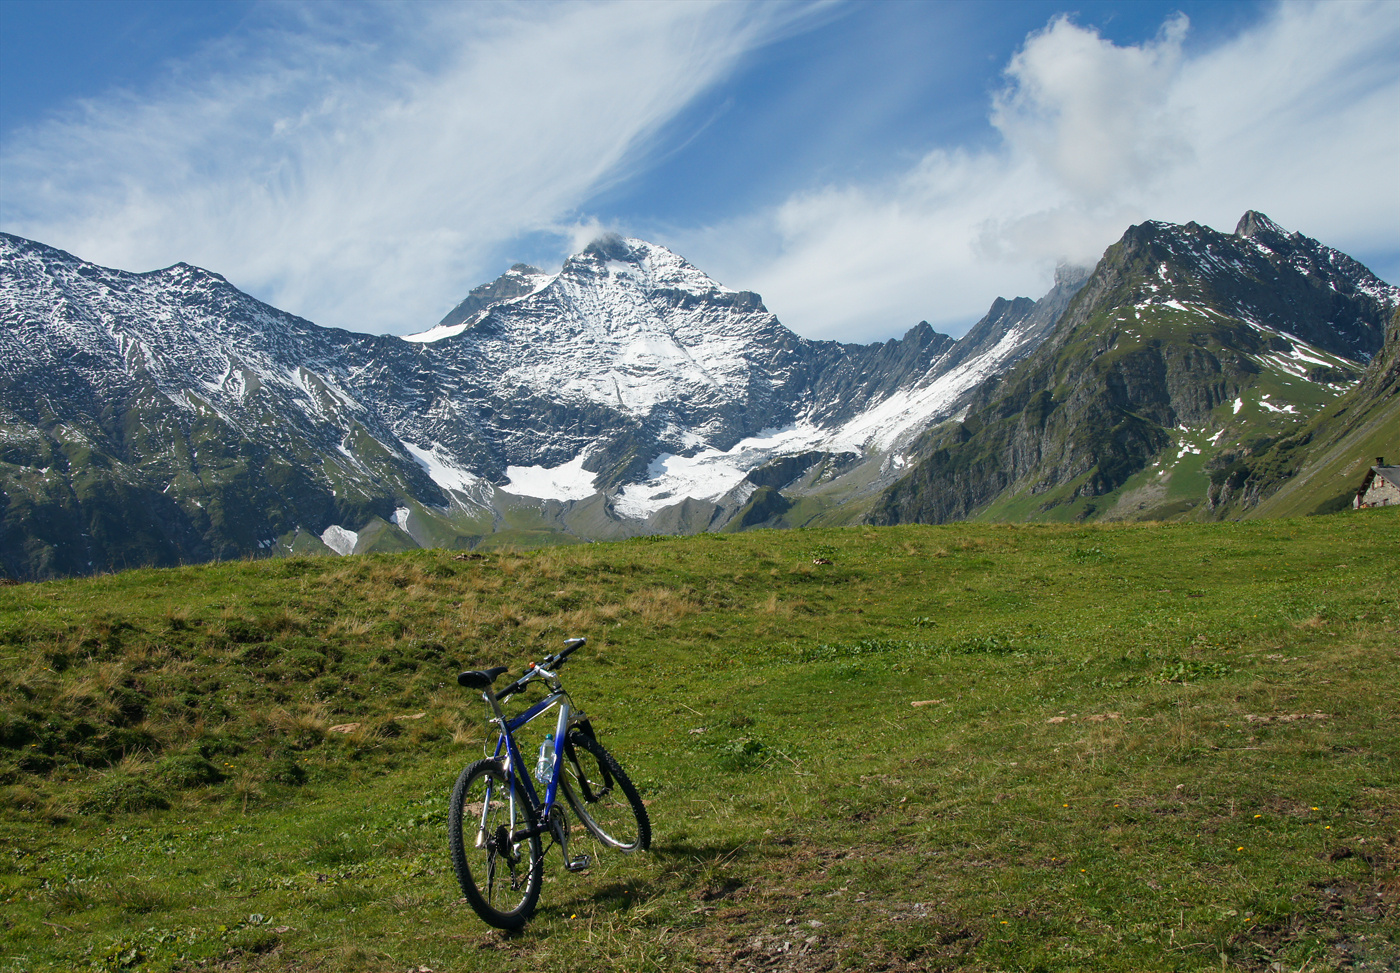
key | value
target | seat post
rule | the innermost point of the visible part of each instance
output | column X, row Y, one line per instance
column 490, row 696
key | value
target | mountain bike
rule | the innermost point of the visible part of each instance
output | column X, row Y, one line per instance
column 497, row 819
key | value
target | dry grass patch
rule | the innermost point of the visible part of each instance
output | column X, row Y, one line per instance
column 287, row 620
column 351, row 626
column 660, row 606
column 308, row 723
column 563, row 623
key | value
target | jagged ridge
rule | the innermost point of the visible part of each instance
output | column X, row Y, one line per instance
column 167, row 417
column 1159, row 350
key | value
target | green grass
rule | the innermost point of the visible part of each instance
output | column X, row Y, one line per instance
column 983, row 747
column 1331, row 466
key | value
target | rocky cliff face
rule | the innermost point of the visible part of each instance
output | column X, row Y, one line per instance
column 1177, row 331
column 1316, row 468
column 167, row 417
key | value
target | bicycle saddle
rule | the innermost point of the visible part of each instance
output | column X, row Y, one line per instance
column 480, row 678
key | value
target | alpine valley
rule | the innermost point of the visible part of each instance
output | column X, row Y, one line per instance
column 166, row 417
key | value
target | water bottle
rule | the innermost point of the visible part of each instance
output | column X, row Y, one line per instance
column 544, row 767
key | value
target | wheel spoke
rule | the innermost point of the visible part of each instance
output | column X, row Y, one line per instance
column 500, row 878
column 612, row 812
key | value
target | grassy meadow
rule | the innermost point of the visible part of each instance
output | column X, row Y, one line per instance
column 966, row 747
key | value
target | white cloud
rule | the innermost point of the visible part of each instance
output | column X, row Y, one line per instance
column 363, row 165
column 1294, row 117
column 1092, row 113
column 359, row 164
column 1299, row 119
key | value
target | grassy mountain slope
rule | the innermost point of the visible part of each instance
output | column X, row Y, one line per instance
column 1318, row 469
column 1185, row 350
column 959, row 747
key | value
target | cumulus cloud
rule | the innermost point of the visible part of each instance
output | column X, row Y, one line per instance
column 1294, row 117
column 360, row 165
column 1093, row 114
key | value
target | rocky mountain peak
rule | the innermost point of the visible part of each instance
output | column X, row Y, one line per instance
column 638, row 265
column 1255, row 225
column 1184, row 342
column 520, row 280
column 1071, row 275
column 610, row 246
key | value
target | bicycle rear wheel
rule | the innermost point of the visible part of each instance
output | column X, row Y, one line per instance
column 500, row 878
column 603, row 796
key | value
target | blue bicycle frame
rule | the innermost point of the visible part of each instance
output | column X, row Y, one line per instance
column 495, row 838
column 544, row 818
column 507, row 740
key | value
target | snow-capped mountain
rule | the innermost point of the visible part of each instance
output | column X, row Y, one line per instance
column 703, row 382
column 166, row 416
column 1186, row 355
column 632, row 327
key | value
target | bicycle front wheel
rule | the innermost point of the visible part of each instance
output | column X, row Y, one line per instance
column 603, row 796
column 500, row 877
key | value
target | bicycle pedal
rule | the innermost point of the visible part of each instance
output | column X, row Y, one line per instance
column 578, row 864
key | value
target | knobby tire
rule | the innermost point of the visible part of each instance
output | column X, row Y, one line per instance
column 603, row 796
column 503, row 892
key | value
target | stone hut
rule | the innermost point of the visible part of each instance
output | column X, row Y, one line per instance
column 1381, row 488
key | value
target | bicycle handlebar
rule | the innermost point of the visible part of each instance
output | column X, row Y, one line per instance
column 569, row 648
column 512, row 689
column 550, row 662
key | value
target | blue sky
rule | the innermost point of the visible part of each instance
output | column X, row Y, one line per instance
column 862, row 166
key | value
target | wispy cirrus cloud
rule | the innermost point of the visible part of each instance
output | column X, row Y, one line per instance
column 364, row 165
column 361, row 164
column 1294, row 116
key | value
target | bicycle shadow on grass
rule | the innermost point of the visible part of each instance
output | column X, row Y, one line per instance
column 712, row 851
column 699, row 866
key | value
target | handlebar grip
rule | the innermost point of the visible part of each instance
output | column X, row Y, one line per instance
column 510, row 690
column 570, row 645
